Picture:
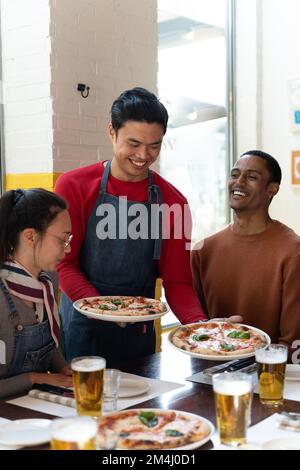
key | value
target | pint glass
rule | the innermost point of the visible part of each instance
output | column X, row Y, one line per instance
column 232, row 400
column 78, row 433
column 271, row 362
column 88, row 375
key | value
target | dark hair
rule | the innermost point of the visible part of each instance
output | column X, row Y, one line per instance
column 272, row 164
column 19, row 209
column 138, row 104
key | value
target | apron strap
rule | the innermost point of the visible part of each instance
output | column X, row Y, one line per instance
column 13, row 313
column 105, row 177
column 155, row 197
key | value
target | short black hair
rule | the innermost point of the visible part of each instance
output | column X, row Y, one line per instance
column 138, row 104
column 272, row 164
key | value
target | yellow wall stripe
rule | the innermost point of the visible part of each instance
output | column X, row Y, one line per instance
column 30, row 180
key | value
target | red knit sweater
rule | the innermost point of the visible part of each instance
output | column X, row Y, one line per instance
column 80, row 188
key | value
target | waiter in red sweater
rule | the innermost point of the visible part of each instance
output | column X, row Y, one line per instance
column 109, row 260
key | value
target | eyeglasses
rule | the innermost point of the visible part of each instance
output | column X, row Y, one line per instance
column 65, row 242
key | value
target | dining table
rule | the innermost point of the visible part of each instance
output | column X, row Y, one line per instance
column 174, row 366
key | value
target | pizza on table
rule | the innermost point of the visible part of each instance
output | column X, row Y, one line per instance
column 218, row 338
column 154, row 429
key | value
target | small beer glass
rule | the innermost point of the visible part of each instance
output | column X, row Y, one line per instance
column 88, row 381
column 271, row 363
column 232, row 391
column 77, row 433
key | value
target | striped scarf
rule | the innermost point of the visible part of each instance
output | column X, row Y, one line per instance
column 24, row 285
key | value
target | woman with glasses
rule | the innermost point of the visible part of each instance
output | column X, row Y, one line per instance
column 35, row 234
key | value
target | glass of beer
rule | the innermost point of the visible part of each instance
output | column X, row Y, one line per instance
column 77, row 433
column 88, row 373
column 232, row 392
column 271, row 362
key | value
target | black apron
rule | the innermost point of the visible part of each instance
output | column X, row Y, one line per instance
column 116, row 266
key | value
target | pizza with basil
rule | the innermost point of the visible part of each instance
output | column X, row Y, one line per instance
column 218, row 338
column 122, row 306
column 138, row 429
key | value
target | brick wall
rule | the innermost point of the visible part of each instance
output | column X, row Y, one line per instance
column 51, row 45
column 110, row 45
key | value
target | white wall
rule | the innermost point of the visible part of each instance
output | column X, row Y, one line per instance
column 267, row 58
column 26, row 48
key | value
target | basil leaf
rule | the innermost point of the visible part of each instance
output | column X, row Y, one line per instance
column 124, row 434
column 148, row 418
column 244, row 335
column 227, row 347
column 200, row 337
column 107, row 307
column 173, row 433
column 239, row 334
column 233, row 334
column 117, row 302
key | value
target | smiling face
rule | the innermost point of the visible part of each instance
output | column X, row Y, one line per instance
column 136, row 146
column 50, row 247
column 249, row 185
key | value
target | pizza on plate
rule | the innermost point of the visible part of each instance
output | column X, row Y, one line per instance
column 154, row 429
column 122, row 306
column 218, row 338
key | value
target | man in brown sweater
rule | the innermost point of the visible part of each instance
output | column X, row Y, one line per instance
column 252, row 267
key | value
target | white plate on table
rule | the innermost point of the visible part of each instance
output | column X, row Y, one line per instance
column 131, row 387
column 287, row 443
column 117, row 318
column 292, row 373
column 25, row 432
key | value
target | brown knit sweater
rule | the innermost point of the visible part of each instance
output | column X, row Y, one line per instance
column 256, row 276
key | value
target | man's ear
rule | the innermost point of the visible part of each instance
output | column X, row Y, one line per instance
column 111, row 132
column 29, row 236
column 273, row 189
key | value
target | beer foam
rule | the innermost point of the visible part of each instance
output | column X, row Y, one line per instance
column 89, row 364
column 271, row 356
column 80, row 429
column 234, row 388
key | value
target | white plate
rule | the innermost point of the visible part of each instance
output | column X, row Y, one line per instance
column 193, row 445
column 118, row 318
column 292, row 373
column 132, row 387
column 287, row 443
column 217, row 357
column 25, row 432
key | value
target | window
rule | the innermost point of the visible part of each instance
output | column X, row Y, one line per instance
column 194, row 58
